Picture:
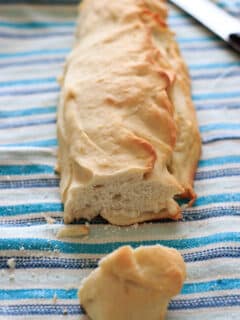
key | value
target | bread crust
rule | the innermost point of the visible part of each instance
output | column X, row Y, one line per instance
column 127, row 129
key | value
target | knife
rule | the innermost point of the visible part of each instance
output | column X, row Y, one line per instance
column 214, row 18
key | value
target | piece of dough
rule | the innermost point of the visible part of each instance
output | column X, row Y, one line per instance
column 133, row 284
column 128, row 136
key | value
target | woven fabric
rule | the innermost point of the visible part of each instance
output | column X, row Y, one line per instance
column 35, row 38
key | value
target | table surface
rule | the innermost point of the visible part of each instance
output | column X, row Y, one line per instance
column 34, row 41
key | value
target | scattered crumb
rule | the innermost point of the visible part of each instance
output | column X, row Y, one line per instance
column 73, row 231
column 55, row 298
column 3, row 273
column 22, row 248
column 65, row 312
column 56, row 250
column 11, row 263
column 12, row 277
column 135, row 226
column 33, row 275
column 49, row 219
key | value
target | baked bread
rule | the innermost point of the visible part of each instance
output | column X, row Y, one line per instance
column 133, row 284
column 128, row 136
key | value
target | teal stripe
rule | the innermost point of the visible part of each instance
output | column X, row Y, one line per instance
column 198, row 39
column 177, row 15
column 22, row 209
column 104, row 248
column 26, row 82
column 34, row 53
column 16, row 294
column 25, row 169
column 220, row 126
column 213, row 65
column 42, row 143
column 36, row 24
column 27, row 112
column 214, row 285
column 219, row 161
column 189, row 288
column 216, row 95
column 217, row 198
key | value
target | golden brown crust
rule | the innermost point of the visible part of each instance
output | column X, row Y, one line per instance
column 126, row 120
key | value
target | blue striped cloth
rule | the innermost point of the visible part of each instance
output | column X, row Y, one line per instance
column 34, row 40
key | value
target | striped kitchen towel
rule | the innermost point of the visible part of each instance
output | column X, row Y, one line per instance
column 35, row 37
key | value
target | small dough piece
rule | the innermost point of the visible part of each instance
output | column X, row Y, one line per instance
column 133, row 284
column 128, row 136
column 72, row 231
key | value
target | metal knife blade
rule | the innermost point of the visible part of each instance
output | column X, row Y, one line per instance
column 214, row 18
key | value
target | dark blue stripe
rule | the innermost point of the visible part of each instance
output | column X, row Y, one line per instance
column 7, row 35
column 216, row 253
column 222, row 173
column 27, row 112
column 32, row 262
column 33, row 183
column 210, row 213
column 215, row 138
column 39, row 309
column 31, row 244
column 26, row 169
column 74, row 309
column 208, row 76
column 217, row 105
column 206, row 302
column 27, row 92
column 36, row 24
column 32, row 62
column 30, row 221
column 31, row 123
column 50, row 263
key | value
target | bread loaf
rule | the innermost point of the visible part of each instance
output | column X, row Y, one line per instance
column 128, row 136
